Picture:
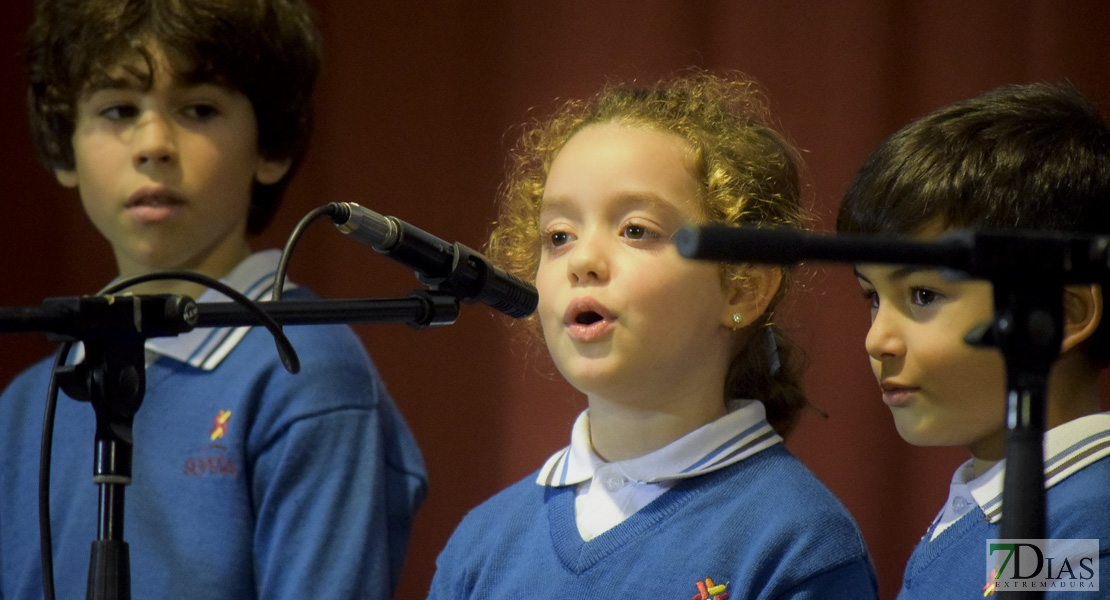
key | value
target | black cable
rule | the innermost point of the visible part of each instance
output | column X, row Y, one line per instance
column 285, row 350
column 46, row 547
column 294, row 237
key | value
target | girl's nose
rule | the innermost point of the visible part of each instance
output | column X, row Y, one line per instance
column 588, row 261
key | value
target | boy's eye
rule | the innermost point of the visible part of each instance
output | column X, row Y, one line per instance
column 201, row 112
column 923, row 296
column 872, row 298
column 119, row 112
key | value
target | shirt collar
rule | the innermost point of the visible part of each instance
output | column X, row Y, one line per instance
column 1067, row 449
column 205, row 348
column 735, row 436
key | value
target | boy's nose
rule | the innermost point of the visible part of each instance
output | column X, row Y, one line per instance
column 883, row 339
column 154, row 140
column 587, row 261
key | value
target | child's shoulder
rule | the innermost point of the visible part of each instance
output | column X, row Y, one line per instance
column 777, row 476
column 1083, row 498
column 785, row 494
column 507, row 515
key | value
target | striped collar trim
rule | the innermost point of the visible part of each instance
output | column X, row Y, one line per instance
column 1067, row 449
column 206, row 348
column 741, row 433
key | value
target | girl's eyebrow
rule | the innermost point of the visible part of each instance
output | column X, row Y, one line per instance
column 557, row 206
column 649, row 200
column 625, row 203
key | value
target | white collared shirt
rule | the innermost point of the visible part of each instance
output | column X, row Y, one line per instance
column 1067, row 449
column 205, row 348
column 610, row 492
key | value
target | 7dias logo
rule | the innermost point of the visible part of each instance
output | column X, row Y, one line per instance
column 1018, row 565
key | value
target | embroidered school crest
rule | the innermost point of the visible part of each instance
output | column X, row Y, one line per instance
column 707, row 590
column 219, row 425
column 214, row 458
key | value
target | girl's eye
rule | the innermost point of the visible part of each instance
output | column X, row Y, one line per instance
column 639, row 232
column 923, row 296
column 557, row 238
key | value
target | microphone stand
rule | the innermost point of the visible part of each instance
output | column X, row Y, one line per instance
column 114, row 330
column 1028, row 272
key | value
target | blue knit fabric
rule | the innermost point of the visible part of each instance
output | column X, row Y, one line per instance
column 765, row 527
column 309, row 493
column 954, row 564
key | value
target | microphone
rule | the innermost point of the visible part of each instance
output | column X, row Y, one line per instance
column 452, row 268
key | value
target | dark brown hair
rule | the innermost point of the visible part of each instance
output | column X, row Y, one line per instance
column 1020, row 157
column 267, row 49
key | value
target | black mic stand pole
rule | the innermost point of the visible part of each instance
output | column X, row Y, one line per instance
column 112, row 377
column 1028, row 272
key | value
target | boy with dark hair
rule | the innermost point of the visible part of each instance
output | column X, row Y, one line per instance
column 179, row 123
column 1024, row 158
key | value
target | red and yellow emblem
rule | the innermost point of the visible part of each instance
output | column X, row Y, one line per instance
column 219, row 424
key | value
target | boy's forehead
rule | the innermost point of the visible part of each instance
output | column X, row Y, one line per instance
column 139, row 68
column 896, row 273
column 931, row 231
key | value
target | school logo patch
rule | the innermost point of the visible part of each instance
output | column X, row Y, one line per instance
column 213, row 460
column 219, row 425
column 707, row 590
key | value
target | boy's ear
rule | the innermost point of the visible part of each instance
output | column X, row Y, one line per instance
column 66, row 177
column 1082, row 314
column 750, row 295
column 270, row 171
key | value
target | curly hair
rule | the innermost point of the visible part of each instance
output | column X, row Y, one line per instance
column 748, row 174
column 267, row 49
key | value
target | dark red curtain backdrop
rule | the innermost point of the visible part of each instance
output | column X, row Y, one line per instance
column 415, row 113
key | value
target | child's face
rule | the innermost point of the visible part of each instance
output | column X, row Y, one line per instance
column 623, row 314
column 166, row 174
column 941, row 391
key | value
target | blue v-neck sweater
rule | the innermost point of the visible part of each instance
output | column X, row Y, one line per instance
column 764, row 527
column 954, row 565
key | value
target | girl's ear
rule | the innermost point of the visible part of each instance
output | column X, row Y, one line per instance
column 1082, row 314
column 750, row 294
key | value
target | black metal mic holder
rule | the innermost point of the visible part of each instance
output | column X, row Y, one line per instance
column 1028, row 272
column 114, row 330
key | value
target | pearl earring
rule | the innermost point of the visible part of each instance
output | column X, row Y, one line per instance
column 737, row 318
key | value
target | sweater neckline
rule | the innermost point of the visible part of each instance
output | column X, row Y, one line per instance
column 578, row 555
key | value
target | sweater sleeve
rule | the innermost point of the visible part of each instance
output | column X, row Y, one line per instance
column 335, row 483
